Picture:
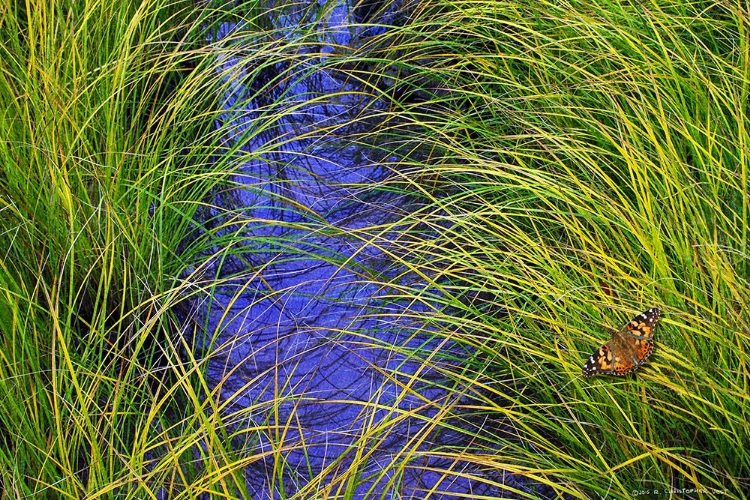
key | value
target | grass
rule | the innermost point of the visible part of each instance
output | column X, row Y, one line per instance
column 575, row 163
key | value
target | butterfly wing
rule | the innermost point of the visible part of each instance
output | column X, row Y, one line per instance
column 627, row 349
column 602, row 361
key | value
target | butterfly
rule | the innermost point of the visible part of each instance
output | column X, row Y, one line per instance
column 628, row 348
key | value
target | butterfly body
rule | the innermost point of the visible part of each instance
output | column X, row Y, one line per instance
column 627, row 349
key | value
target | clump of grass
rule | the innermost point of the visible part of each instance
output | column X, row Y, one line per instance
column 93, row 194
column 604, row 174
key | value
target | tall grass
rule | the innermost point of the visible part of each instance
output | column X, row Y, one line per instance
column 577, row 162
column 596, row 164
column 91, row 182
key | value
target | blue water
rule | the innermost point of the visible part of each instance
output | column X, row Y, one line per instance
column 313, row 350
